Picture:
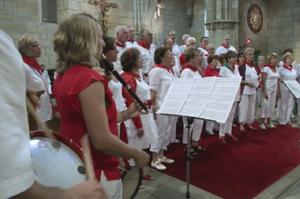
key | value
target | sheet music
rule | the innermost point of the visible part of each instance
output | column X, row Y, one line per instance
column 207, row 98
column 294, row 87
column 176, row 96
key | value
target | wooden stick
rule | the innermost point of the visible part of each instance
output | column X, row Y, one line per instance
column 46, row 130
column 87, row 157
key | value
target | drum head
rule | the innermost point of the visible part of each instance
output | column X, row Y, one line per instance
column 131, row 180
column 56, row 166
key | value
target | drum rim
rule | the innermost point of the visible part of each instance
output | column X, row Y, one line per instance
column 123, row 174
column 68, row 142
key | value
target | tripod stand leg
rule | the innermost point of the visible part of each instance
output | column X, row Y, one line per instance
column 188, row 158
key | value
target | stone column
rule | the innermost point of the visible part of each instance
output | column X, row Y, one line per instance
column 222, row 19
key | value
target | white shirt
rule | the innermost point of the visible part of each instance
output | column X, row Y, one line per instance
column 116, row 89
column 252, row 77
column 222, row 50
column 227, row 73
column 147, row 59
column 286, row 74
column 117, row 63
column 176, row 50
column 188, row 73
column 182, row 49
column 160, row 81
column 130, row 44
column 271, row 78
column 16, row 174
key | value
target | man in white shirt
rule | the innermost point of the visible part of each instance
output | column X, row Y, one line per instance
column 176, row 48
column 121, row 37
column 225, row 46
column 145, row 47
column 17, row 177
column 131, row 43
column 203, row 49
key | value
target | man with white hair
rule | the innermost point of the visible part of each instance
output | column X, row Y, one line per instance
column 130, row 43
column 175, row 49
column 146, row 38
column 183, row 39
column 225, row 46
column 121, row 37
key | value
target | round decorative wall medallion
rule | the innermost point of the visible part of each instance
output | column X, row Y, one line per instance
column 255, row 18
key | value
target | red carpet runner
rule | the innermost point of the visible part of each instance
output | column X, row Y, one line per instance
column 240, row 170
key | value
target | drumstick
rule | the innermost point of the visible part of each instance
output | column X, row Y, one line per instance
column 46, row 130
column 87, row 157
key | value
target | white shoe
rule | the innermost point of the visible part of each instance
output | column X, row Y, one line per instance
column 271, row 126
column 210, row 133
column 158, row 165
column 262, row 126
column 166, row 160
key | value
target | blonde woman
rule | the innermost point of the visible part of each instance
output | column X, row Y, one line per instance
column 270, row 90
column 85, row 101
column 286, row 72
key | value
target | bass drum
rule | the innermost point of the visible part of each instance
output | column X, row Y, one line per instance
column 56, row 162
column 131, row 180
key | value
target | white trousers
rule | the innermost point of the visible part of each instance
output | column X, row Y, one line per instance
column 164, row 133
column 209, row 126
column 113, row 188
column 173, row 123
column 269, row 104
column 247, row 109
column 227, row 126
column 196, row 128
column 286, row 105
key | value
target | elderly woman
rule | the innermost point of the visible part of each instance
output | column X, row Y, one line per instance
column 85, row 102
column 286, row 103
column 270, row 90
column 30, row 50
column 250, row 82
column 160, row 79
column 229, row 70
column 192, row 69
column 142, row 130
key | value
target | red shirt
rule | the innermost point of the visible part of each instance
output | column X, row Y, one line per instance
column 130, row 79
column 211, row 72
column 67, row 88
column 182, row 59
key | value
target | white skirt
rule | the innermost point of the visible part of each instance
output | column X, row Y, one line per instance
column 150, row 132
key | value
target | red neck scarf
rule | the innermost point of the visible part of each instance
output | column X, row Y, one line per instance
column 288, row 66
column 136, row 75
column 225, row 46
column 170, row 70
column 190, row 66
column 131, row 40
column 144, row 44
column 120, row 44
column 32, row 62
column 272, row 66
column 249, row 63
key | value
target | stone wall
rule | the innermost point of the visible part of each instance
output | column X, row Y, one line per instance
column 280, row 29
column 18, row 17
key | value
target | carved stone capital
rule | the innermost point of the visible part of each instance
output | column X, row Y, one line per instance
column 221, row 24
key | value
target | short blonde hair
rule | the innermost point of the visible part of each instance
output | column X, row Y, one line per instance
column 272, row 55
column 287, row 55
column 248, row 50
column 77, row 42
column 25, row 44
